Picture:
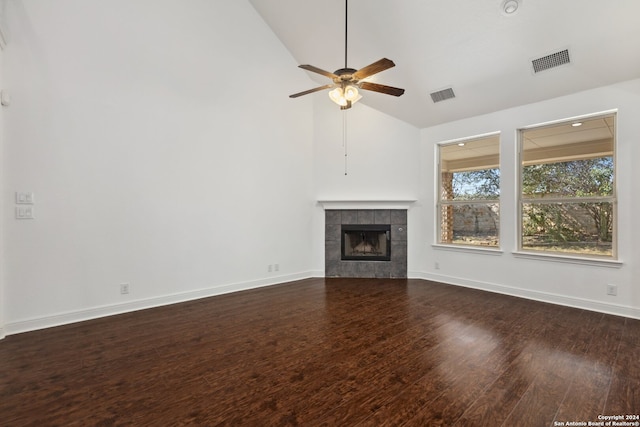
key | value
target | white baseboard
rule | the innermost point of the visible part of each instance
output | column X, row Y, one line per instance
column 110, row 310
column 586, row 304
column 316, row 273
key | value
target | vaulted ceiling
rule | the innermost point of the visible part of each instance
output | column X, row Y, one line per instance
column 470, row 46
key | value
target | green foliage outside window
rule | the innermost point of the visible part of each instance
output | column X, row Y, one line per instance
column 476, row 185
column 578, row 226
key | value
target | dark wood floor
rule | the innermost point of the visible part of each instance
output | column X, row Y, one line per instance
column 335, row 352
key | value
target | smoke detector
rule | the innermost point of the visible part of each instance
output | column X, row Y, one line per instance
column 510, row 7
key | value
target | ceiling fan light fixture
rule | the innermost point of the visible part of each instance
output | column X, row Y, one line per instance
column 346, row 97
column 351, row 93
column 337, row 96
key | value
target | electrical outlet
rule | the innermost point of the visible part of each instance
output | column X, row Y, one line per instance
column 124, row 288
column 276, row 267
column 270, row 268
column 437, row 266
column 612, row 290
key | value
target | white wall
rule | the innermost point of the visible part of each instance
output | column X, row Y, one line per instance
column 163, row 151
column 2, row 203
column 563, row 283
column 381, row 153
column 382, row 159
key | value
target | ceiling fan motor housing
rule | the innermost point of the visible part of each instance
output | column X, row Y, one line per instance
column 345, row 73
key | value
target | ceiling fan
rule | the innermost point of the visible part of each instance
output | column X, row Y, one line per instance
column 347, row 81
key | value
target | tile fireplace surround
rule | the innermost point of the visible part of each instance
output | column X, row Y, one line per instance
column 335, row 267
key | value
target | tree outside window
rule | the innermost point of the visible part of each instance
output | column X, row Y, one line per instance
column 469, row 192
column 568, row 188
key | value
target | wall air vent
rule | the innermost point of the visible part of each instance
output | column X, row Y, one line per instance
column 442, row 95
column 551, row 61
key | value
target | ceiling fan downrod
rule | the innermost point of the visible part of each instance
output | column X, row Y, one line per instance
column 346, row 28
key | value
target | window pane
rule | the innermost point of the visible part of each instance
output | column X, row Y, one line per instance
column 469, row 170
column 579, row 228
column 470, row 224
column 471, row 185
column 470, row 173
column 571, row 164
column 576, row 178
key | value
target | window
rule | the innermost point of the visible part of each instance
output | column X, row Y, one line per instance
column 567, row 188
column 469, row 192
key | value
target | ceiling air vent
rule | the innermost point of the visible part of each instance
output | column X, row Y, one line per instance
column 550, row 61
column 442, row 95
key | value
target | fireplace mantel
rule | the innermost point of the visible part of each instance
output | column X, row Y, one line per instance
column 366, row 204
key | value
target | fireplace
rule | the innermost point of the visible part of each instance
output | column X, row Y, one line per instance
column 366, row 242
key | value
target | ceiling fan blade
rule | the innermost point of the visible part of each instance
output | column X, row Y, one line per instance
column 306, row 92
column 374, row 68
column 318, row 70
column 389, row 90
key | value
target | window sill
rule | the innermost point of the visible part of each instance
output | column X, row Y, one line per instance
column 611, row 263
column 482, row 250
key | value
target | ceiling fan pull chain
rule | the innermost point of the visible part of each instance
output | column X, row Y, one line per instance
column 344, row 138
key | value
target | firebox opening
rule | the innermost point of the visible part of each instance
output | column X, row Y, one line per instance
column 366, row 242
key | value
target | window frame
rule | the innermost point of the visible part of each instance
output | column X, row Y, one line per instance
column 521, row 200
column 440, row 203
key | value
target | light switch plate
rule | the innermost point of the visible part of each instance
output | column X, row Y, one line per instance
column 24, row 212
column 24, row 198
